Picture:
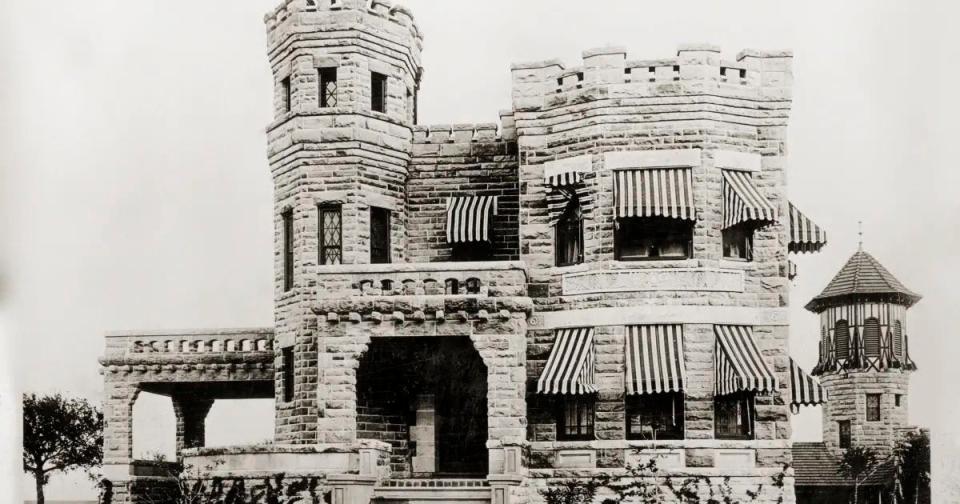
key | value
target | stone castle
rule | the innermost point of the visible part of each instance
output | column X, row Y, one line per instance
column 470, row 312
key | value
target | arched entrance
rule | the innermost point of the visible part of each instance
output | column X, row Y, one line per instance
column 427, row 397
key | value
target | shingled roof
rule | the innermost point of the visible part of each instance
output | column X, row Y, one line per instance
column 814, row 465
column 862, row 276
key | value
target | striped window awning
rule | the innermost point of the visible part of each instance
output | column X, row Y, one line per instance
column 655, row 359
column 742, row 200
column 469, row 218
column 804, row 389
column 739, row 364
column 654, row 192
column 805, row 235
column 570, row 367
column 565, row 181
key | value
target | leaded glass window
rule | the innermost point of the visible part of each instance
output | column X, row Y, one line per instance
column 328, row 87
column 331, row 234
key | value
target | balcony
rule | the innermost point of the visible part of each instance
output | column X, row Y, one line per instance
column 482, row 279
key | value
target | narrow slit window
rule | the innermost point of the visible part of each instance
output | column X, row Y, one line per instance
column 288, row 373
column 569, row 235
column 379, row 235
column 286, row 94
column 378, row 92
column 331, row 237
column 287, row 218
column 873, row 407
column 843, row 430
column 328, row 87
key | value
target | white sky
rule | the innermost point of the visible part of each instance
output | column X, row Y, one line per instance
column 137, row 193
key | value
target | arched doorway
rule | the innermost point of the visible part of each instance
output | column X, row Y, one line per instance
column 427, row 397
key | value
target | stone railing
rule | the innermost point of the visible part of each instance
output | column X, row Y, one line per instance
column 483, row 279
column 198, row 342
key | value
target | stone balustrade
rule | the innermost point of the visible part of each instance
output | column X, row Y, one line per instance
column 483, row 279
column 133, row 344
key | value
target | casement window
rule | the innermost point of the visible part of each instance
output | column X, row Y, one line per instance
column 843, row 428
column 569, row 235
column 575, row 417
column 286, row 94
column 873, row 407
column 286, row 357
column 652, row 238
column 379, row 235
column 734, row 416
column 655, row 416
column 330, row 226
column 287, row 218
column 328, row 87
column 378, row 92
column 738, row 241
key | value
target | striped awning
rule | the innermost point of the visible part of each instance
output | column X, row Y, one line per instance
column 739, row 364
column 805, row 235
column 804, row 389
column 469, row 218
column 742, row 200
column 655, row 359
column 656, row 192
column 563, row 178
column 570, row 367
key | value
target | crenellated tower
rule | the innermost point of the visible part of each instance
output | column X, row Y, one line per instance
column 865, row 363
column 346, row 74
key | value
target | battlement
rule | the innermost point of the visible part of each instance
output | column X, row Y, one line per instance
column 606, row 71
column 319, row 9
column 467, row 132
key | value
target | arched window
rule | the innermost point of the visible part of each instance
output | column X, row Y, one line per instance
column 569, row 234
column 898, row 339
column 871, row 337
column 841, row 339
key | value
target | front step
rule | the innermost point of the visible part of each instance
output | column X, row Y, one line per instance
column 432, row 491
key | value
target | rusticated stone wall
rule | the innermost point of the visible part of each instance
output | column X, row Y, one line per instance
column 847, row 393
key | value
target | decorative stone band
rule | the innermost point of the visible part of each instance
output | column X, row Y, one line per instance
column 469, row 218
column 742, row 200
column 804, row 389
column 739, row 364
column 805, row 235
column 655, row 359
column 654, row 192
column 660, row 279
column 570, row 367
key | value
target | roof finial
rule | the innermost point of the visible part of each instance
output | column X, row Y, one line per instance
column 860, row 232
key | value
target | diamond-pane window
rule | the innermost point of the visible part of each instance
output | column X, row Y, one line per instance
column 328, row 87
column 331, row 237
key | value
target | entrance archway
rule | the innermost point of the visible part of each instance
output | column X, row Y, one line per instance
column 427, row 397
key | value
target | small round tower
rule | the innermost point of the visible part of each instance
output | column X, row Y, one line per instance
column 864, row 363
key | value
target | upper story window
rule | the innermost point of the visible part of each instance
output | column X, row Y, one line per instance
column 652, row 238
column 379, row 235
column 841, row 339
column 871, row 337
column 286, row 94
column 378, row 92
column 734, row 416
column 843, row 430
column 575, row 420
column 569, row 235
column 655, row 416
column 330, row 236
column 898, row 339
column 328, row 87
column 286, row 355
column 287, row 218
column 738, row 242
column 873, row 407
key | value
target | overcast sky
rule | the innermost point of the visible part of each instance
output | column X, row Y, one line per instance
column 137, row 196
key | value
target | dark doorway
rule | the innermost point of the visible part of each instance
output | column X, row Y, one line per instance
column 395, row 376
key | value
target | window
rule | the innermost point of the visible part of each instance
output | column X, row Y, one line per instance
column 898, row 339
column 331, row 240
column 328, row 87
column 569, row 235
column 843, row 427
column 379, row 235
column 286, row 94
column 738, row 242
column 733, row 416
column 873, row 407
column 287, row 217
column 896, row 399
column 871, row 337
column 576, row 418
column 649, row 238
column 287, row 363
column 473, row 251
column 841, row 335
column 378, row 92
column 655, row 416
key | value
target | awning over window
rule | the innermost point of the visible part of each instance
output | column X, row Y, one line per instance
column 565, row 180
column 805, row 235
column 657, row 192
column 469, row 218
column 570, row 367
column 804, row 389
column 739, row 364
column 655, row 359
column 742, row 200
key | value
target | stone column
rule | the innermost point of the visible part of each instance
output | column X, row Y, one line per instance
column 191, row 413
column 424, row 434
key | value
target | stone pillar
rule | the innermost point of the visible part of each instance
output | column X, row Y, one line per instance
column 118, row 399
column 424, row 434
column 191, row 413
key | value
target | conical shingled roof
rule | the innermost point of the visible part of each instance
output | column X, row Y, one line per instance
column 862, row 276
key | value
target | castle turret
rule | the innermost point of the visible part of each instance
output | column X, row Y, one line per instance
column 864, row 361
column 346, row 74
